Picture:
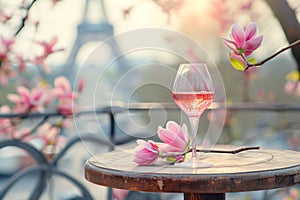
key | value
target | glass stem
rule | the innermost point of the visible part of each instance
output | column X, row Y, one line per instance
column 194, row 127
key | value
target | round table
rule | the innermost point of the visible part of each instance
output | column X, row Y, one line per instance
column 248, row 170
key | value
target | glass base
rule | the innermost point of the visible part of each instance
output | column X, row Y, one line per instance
column 194, row 162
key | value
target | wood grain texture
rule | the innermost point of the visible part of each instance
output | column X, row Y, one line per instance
column 246, row 171
column 197, row 196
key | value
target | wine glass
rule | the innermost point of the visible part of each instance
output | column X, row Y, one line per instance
column 193, row 92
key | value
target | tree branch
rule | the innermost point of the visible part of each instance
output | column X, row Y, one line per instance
column 22, row 25
column 272, row 56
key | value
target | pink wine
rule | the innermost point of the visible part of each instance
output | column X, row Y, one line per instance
column 193, row 103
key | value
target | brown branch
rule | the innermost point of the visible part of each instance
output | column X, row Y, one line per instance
column 235, row 151
column 22, row 25
column 272, row 56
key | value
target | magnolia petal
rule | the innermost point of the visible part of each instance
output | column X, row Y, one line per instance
column 144, row 162
column 63, row 83
column 171, row 139
column 238, row 35
column 172, row 149
column 248, row 52
column 13, row 98
column 143, row 153
column 139, row 141
column 142, row 144
column 38, row 94
column 145, row 157
column 148, row 156
column 175, row 128
column 24, row 94
column 253, row 43
column 23, row 91
column 151, row 146
column 250, row 30
column 53, row 41
column 230, row 44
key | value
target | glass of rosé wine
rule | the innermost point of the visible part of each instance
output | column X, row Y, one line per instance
column 193, row 92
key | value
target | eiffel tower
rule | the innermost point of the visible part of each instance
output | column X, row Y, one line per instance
column 91, row 31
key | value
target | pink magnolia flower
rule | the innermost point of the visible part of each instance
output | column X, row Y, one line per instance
column 50, row 135
column 63, row 89
column 176, row 137
column 65, row 95
column 46, row 135
column 5, row 123
column 26, row 100
column 48, row 48
column 146, row 153
column 244, row 41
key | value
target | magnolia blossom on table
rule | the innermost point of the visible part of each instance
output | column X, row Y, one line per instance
column 176, row 145
column 147, row 153
column 177, row 138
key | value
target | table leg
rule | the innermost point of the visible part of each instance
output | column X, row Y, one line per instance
column 198, row 196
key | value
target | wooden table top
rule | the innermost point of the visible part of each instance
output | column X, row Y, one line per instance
column 245, row 171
